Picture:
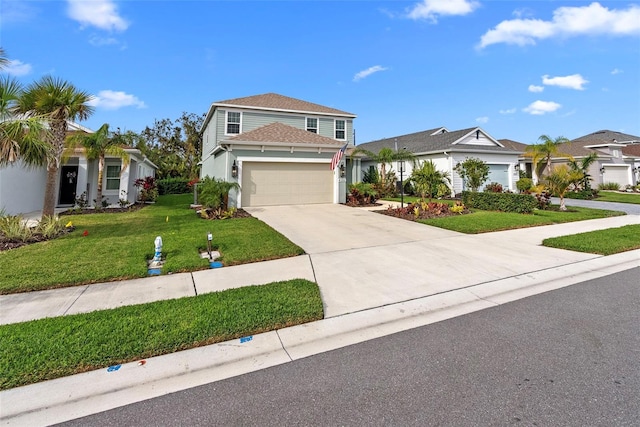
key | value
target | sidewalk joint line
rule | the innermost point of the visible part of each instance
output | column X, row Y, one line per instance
column 282, row 345
column 194, row 283
column 75, row 300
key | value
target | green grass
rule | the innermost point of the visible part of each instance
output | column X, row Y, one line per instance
column 55, row 347
column 413, row 199
column 612, row 196
column 118, row 246
column 604, row 242
column 488, row 221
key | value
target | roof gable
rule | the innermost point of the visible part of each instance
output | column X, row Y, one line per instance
column 279, row 133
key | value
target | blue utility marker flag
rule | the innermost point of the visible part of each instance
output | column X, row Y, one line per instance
column 246, row 339
column 113, row 368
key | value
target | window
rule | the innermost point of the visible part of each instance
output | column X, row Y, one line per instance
column 340, row 129
column 312, row 125
column 113, row 178
column 233, row 122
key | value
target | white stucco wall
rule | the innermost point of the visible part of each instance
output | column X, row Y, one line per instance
column 21, row 189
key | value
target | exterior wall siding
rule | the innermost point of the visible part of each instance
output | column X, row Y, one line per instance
column 26, row 197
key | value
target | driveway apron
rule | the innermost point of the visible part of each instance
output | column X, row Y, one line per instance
column 363, row 259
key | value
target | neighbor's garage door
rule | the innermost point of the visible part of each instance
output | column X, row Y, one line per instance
column 499, row 174
column 619, row 174
column 266, row 183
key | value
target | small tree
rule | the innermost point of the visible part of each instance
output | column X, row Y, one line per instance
column 474, row 172
column 583, row 166
column 559, row 181
column 214, row 193
column 427, row 178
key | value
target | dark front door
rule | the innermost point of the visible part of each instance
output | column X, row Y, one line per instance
column 68, row 181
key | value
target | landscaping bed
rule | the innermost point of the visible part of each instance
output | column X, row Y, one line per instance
column 425, row 210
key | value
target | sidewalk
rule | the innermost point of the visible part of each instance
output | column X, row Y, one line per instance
column 503, row 270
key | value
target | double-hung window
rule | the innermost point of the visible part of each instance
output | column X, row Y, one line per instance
column 312, row 124
column 233, row 123
column 341, row 128
column 113, row 177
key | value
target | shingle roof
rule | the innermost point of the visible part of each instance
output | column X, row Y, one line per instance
column 421, row 142
column 576, row 147
column 632, row 150
column 275, row 101
column 280, row 133
column 514, row 145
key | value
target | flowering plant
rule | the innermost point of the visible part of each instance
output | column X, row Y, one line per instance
column 148, row 189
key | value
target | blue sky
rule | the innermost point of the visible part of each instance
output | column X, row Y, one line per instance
column 518, row 69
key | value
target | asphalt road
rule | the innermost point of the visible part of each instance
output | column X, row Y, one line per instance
column 629, row 208
column 570, row 357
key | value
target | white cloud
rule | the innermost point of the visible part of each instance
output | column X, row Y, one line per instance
column 113, row 100
column 101, row 14
column 18, row 68
column 616, row 71
column 482, row 120
column 574, row 81
column 508, row 111
column 432, row 9
column 534, row 88
column 539, row 108
column 567, row 21
column 102, row 41
column 366, row 73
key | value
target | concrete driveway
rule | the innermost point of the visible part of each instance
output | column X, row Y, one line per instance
column 363, row 259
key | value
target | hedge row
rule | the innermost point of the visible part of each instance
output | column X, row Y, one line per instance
column 174, row 186
column 504, row 202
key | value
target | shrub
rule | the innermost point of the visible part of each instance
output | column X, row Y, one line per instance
column 361, row 193
column 49, row 227
column 474, row 172
column 13, row 228
column 174, row 186
column 609, row 186
column 524, row 184
column 371, row 176
column 504, row 202
column 582, row 194
column 214, row 193
column 148, row 189
column 493, row 187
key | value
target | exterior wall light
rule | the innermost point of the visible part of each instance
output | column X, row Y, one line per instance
column 234, row 170
column 602, row 169
column 517, row 167
column 342, row 171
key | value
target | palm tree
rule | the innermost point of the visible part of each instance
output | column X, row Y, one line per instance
column 427, row 178
column 583, row 166
column 4, row 61
column 97, row 146
column 541, row 154
column 57, row 101
column 386, row 156
column 559, row 181
column 21, row 138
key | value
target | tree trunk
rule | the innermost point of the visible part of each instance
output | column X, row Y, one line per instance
column 99, row 189
column 562, row 206
column 48, row 209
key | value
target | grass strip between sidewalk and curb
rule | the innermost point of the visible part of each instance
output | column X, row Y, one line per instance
column 55, row 347
column 488, row 221
column 118, row 245
column 604, row 242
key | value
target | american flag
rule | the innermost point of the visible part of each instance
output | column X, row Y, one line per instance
column 338, row 156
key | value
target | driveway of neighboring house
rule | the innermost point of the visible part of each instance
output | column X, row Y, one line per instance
column 363, row 259
column 629, row 208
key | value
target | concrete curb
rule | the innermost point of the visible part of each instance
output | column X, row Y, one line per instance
column 80, row 395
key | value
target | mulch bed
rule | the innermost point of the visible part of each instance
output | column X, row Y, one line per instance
column 238, row 213
column 86, row 211
column 6, row 244
column 438, row 210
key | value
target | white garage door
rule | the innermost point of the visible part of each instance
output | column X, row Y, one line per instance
column 619, row 174
column 499, row 174
column 267, row 183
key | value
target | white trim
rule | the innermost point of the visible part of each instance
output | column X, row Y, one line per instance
column 283, row 110
column 306, row 124
column 226, row 122
column 241, row 159
column 474, row 131
column 335, row 129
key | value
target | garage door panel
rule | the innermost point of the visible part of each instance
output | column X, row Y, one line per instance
column 274, row 183
column 618, row 174
column 499, row 174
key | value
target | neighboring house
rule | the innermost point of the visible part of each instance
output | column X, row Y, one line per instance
column 278, row 149
column 22, row 188
column 446, row 149
column 618, row 156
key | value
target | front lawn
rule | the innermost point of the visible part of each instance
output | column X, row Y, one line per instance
column 488, row 221
column 613, row 196
column 118, row 245
column 55, row 347
column 604, row 242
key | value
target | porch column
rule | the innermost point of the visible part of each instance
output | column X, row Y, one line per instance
column 124, row 184
column 83, row 178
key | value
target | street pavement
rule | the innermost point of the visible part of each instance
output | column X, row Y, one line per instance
column 629, row 208
column 377, row 275
column 566, row 357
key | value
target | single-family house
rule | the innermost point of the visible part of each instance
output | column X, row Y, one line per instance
column 448, row 148
column 278, row 149
column 22, row 188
